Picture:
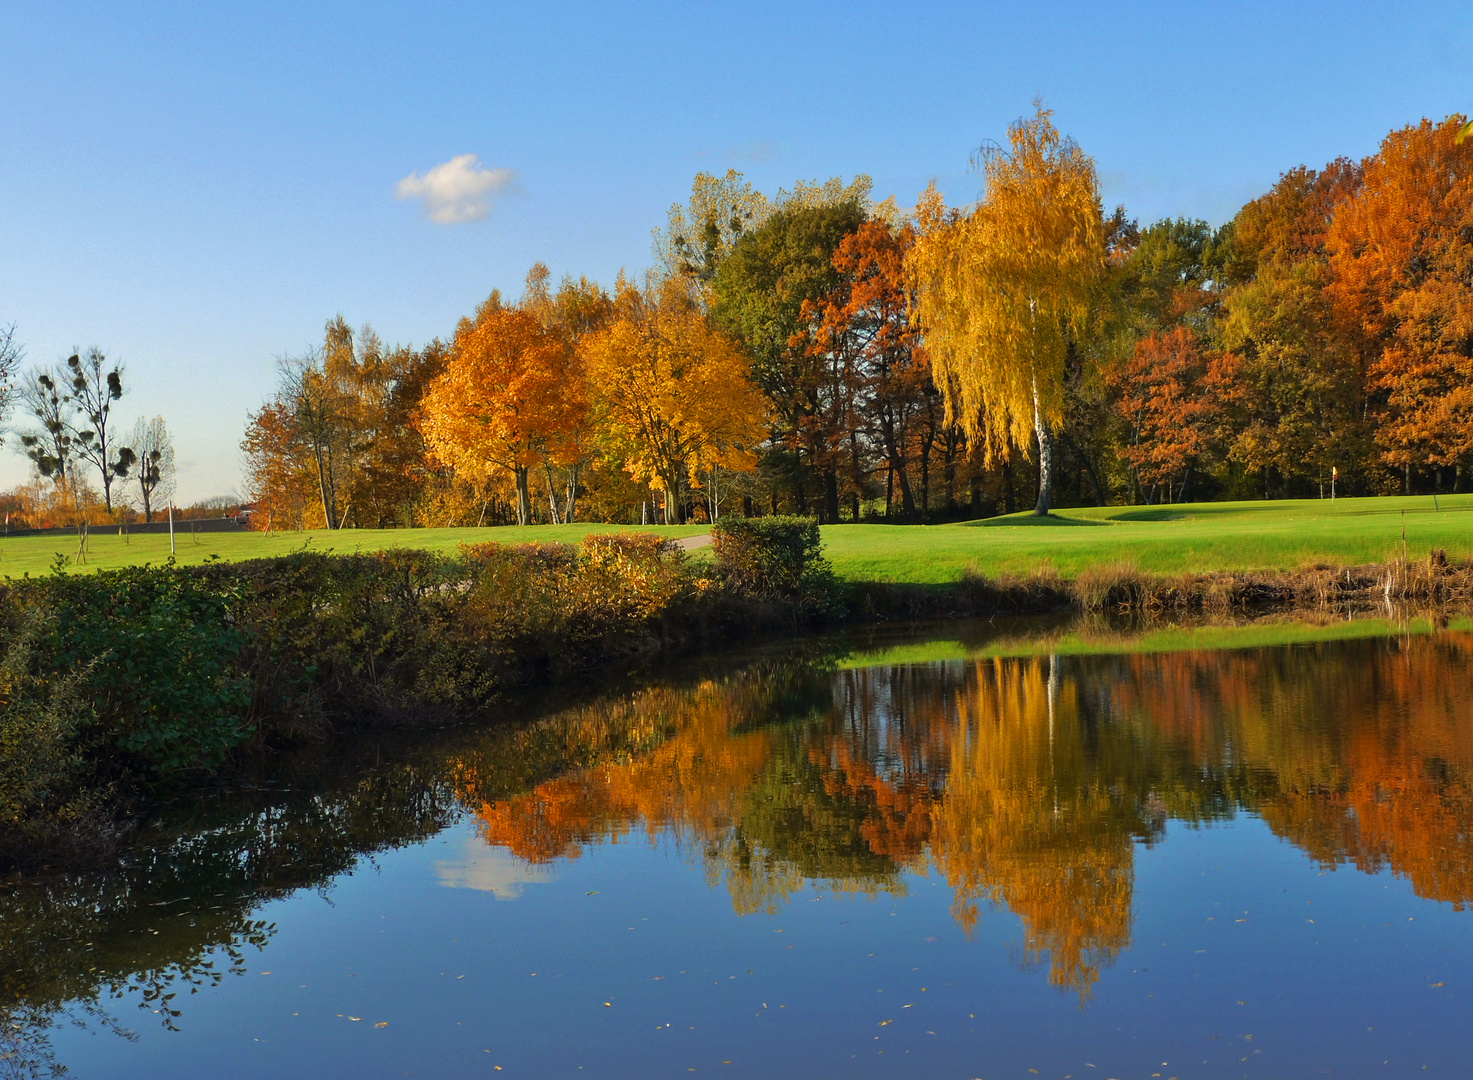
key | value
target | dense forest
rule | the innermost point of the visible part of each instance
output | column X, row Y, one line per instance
column 822, row 353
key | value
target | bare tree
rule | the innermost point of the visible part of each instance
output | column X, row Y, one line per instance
column 150, row 442
column 11, row 355
column 318, row 410
column 44, row 400
column 92, row 389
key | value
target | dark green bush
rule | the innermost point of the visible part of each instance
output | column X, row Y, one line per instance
column 151, row 651
column 776, row 558
column 42, row 718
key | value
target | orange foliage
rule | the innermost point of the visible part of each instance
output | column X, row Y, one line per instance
column 509, row 397
column 1402, row 254
column 1026, row 783
column 1170, row 406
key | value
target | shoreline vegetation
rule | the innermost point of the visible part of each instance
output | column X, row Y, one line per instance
column 122, row 688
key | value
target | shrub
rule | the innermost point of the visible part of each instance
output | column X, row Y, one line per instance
column 41, row 720
column 152, row 652
column 776, row 558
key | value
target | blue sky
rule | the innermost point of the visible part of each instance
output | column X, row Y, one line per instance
column 197, row 188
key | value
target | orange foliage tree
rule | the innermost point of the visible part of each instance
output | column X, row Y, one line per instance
column 509, row 396
column 1170, row 411
column 1402, row 254
column 879, row 374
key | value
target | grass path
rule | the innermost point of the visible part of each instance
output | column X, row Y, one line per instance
column 1170, row 539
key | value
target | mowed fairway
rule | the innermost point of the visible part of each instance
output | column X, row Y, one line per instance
column 1161, row 539
column 1282, row 535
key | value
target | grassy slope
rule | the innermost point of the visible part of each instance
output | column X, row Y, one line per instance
column 1189, row 537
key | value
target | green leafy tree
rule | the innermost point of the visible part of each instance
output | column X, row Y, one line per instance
column 759, row 293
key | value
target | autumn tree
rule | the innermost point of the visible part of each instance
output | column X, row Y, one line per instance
column 1290, row 384
column 1004, row 294
column 1401, row 250
column 319, row 423
column 508, row 397
column 575, row 310
column 281, row 478
column 671, row 394
column 877, row 373
column 1170, row 411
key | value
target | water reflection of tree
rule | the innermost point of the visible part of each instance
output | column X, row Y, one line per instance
column 1027, row 782
column 181, row 916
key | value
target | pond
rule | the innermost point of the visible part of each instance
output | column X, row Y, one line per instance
column 1062, row 853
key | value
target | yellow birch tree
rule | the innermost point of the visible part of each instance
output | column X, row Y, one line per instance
column 1003, row 293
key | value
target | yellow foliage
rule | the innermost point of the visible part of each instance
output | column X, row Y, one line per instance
column 1001, row 291
column 672, row 395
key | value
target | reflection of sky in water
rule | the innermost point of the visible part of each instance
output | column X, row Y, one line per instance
column 489, row 869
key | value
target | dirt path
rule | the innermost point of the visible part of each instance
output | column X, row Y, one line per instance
column 690, row 543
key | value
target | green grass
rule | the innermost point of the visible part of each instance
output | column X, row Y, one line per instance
column 107, row 550
column 1167, row 639
column 1283, row 535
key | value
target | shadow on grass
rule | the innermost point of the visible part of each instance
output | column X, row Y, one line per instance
column 1159, row 513
column 1031, row 519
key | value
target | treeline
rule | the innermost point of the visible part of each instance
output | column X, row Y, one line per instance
column 821, row 353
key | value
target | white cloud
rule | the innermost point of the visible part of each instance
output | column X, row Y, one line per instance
column 490, row 869
column 456, row 190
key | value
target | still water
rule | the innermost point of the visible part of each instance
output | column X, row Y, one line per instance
column 833, row 862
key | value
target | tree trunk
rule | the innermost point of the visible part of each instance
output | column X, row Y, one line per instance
column 571, row 505
column 925, row 477
column 552, row 507
column 1089, row 467
column 1045, row 459
column 831, row 496
column 324, row 483
column 524, row 496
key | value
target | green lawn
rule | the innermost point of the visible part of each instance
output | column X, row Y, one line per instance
column 107, row 550
column 1159, row 539
column 1189, row 537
